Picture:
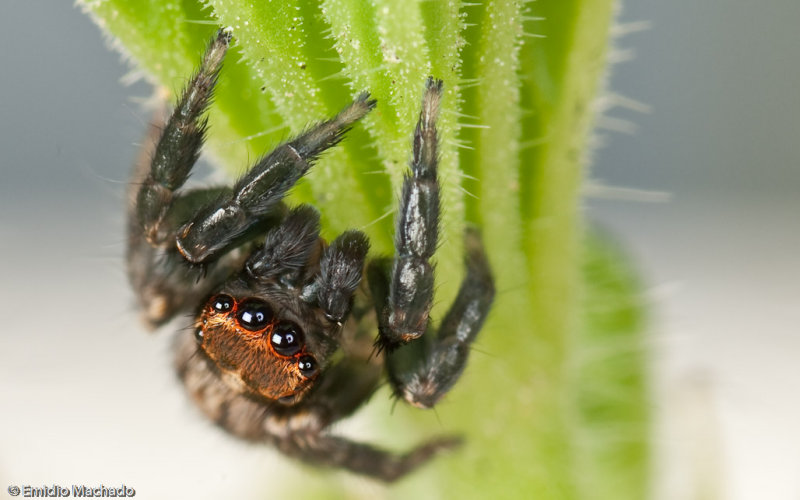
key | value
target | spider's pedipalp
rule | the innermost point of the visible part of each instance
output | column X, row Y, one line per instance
column 340, row 273
column 287, row 247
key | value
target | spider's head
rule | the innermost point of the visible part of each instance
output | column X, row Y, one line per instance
column 254, row 347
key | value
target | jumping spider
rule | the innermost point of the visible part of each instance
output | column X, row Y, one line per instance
column 282, row 343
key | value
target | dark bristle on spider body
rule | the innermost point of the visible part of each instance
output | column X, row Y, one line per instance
column 288, row 338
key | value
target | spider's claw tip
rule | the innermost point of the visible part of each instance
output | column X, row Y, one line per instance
column 380, row 347
column 225, row 34
column 383, row 345
column 434, row 84
column 365, row 97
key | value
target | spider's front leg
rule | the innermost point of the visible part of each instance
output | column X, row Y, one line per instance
column 178, row 148
column 157, row 272
column 410, row 294
column 256, row 195
column 423, row 371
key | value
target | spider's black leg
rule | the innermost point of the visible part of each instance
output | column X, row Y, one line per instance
column 339, row 275
column 163, row 284
column 178, row 148
column 256, row 195
column 424, row 371
column 360, row 458
column 410, row 294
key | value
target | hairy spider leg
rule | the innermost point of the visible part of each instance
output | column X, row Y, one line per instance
column 255, row 195
column 361, row 458
column 162, row 282
column 157, row 272
column 179, row 146
column 410, row 292
column 425, row 370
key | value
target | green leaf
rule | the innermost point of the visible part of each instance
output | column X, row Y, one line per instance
column 554, row 401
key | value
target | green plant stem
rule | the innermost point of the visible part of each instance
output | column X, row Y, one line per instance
column 553, row 403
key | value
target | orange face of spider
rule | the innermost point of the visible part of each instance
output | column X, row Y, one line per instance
column 253, row 347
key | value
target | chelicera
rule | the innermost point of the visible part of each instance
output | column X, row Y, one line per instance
column 288, row 338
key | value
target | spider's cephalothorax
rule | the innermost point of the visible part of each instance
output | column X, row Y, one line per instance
column 282, row 343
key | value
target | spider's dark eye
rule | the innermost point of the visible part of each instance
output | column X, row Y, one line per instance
column 286, row 339
column 198, row 335
column 254, row 314
column 307, row 366
column 222, row 303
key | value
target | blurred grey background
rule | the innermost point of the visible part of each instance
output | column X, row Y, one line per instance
column 720, row 253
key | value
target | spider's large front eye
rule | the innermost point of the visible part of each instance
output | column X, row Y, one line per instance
column 222, row 303
column 254, row 314
column 286, row 339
